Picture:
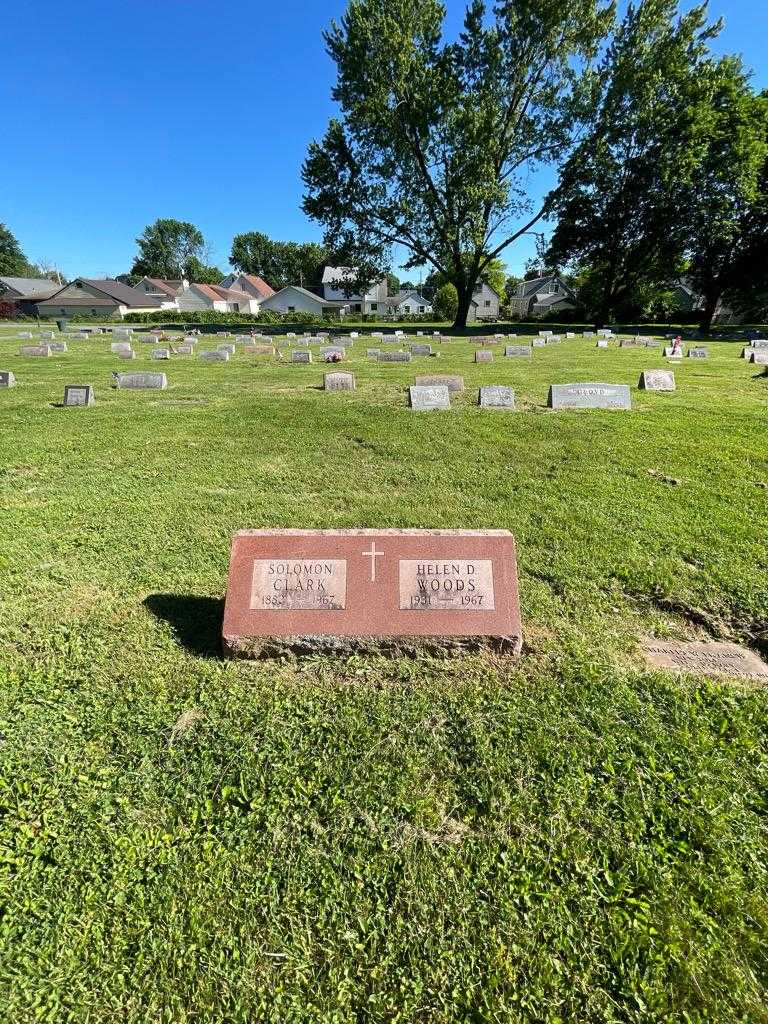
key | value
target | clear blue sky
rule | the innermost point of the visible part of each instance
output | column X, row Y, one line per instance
column 116, row 113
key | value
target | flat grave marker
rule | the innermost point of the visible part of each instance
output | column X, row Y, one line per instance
column 35, row 351
column 421, row 350
column 58, row 346
column 423, row 398
column 78, row 394
column 259, row 350
column 214, row 356
column 657, row 380
column 496, row 396
column 398, row 356
column 315, row 589
column 141, row 381
column 301, row 355
column 160, row 353
column 518, row 351
column 454, row 384
column 705, row 659
column 698, row 353
column 483, row 356
column 589, row 395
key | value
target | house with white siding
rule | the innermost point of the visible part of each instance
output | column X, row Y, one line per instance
column 338, row 285
column 214, row 297
column 407, row 302
column 485, row 303
column 294, row 299
column 251, row 284
column 165, row 291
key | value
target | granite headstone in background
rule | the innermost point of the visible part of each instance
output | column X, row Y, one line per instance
column 339, row 381
column 160, row 353
column 394, row 357
column 496, row 396
column 7, row 379
column 141, row 381
column 657, row 380
column 428, row 399
column 589, row 395
column 697, row 353
column 35, row 350
column 301, row 355
column 78, row 394
column 214, row 356
column 421, row 350
column 760, row 357
column 483, row 356
column 452, row 383
column 518, row 351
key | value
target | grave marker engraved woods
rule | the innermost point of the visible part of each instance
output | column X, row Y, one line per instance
column 322, row 588
column 705, row 658
column 589, row 395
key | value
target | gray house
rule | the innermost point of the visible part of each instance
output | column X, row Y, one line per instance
column 104, row 298
column 485, row 303
column 24, row 292
column 543, row 295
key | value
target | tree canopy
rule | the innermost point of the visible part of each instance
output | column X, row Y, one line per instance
column 622, row 202
column 437, row 140
column 13, row 262
column 169, row 249
column 278, row 263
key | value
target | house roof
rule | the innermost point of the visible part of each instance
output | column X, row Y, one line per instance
column 400, row 298
column 311, row 295
column 121, row 293
column 260, row 285
column 171, row 288
column 552, row 298
column 339, row 274
column 235, row 294
column 80, row 300
column 208, row 291
column 31, row 287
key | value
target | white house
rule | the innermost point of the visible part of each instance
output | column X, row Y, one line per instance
column 251, row 284
column 407, row 302
column 338, row 282
column 294, row 299
column 541, row 295
column 212, row 296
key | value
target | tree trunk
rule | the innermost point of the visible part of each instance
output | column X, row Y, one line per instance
column 708, row 313
column 465, row 301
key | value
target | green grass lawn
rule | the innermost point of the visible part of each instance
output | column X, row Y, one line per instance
column 568, row 838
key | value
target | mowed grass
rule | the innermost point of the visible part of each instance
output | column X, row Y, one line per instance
column 571, row 837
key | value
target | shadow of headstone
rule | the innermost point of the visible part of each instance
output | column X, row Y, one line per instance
column 195, row 620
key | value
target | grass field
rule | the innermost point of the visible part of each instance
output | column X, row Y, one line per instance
column 568, row 838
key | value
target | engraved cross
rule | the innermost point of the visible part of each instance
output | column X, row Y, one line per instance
column 373, row 554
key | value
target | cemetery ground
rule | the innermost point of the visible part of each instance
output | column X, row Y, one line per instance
column 569, row 837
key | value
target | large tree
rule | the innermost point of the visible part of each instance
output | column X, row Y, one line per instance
column 727, row 204
column 278, row 263
column 169, row 249
column 13, row 262
column 621, row 199
column 437, row 140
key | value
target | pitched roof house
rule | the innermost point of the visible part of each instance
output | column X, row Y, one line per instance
column 338, row 285
column 409, row 301
column 162, row 289
column 215, row 297
column 251, row 284
column 24, row 292
column 542, row 295
column 294, row 299
column 97, row 297
column 485, row 303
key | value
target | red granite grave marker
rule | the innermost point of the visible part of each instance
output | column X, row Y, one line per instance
column 334, row 588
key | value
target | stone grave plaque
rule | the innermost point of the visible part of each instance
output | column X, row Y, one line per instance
column 589, row 395
column 126, row 354
column 339, row 381
column 569, row 334
column 58, row 346
column 670, row 353
column 301, row 355
column 229, row 349
column 214, row 356
column 421, row 350
column 185, row 350
column 496, row 396
column 518, row 351
column 705, row 658
column 334, row 352
column 546, row 334
column 759, row 356
column 601, row 343
column 78, row 394
column 650, row 343
column 373, row 352
column 160, row 353
column 483, row 356
column 398, row 356
column 657, row 380
column 428, row 399
column 631, row 343
column 539, row 343
column 120, row 346
column 259, row 350
column 452, row 383
column 7, row 379
column 141, row 381
column 47, row 334
column 697, row 353
column 315, row 589
column 35, row 350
